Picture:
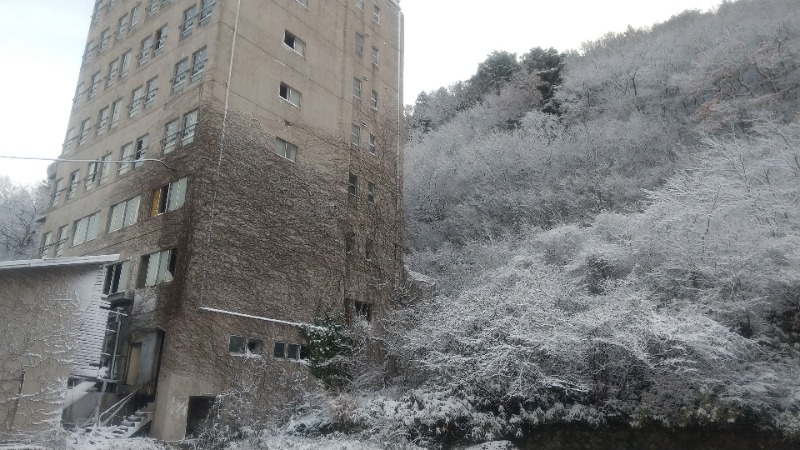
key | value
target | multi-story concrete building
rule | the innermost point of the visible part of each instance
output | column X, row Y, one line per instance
column 245, row 160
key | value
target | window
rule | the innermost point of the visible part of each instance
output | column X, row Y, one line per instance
column 370, row 192
column 122, row 27
column 352, row 185
column 285, row 149
column 376, row 13
column 170, row 135
column 357, row 88
column 47, row 241
column 168, row 197
column 369, row 250
column 152, row 7
column 189, row 125
column 373, row 144
column 96, row 10
column 160, row 40
column 359, row 44
column 150, row 91
column 294, row 43
column 125, row 63
column 157, row 268
column 198, row 63
column 375, row 56
column 124, row 214
column 188, row 21
column 144, row 50
column 57, row 188
column 135, row 15
column 84, row 133
column 116, row 109
column 105, row 168
column 87, row 52
column 113, row 71
column 78, row 94
column 94, row 84
column 355, row 135
column 105, row 37
column 116, row 278
column 181, row 70
column 238, row 345
column 141, row 150
column 72, row 188
column 206, row 8
column 125, row 154
column 363, row 311
column 110, row 6
column 373, row 100
column 102, row 120
column 85, row 229
column 286, row 350
column 68, row 139
column 137, row 97
column 62, row 240
column 290, row 94
column 360, row 4
column 91, row 176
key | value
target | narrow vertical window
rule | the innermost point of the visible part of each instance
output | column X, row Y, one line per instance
column 72, row 187
column 206, row 8
column 355, row 135
column 122, row 27
column 170, row 136
column 125, row 154
column 189, row 125
column 47, row 241
column 198, row 64
column 105, row 168
column 116, row 110
column 375, row 56
column 352, row 185
column 144, row 51
column 125, row 63
column 376, row 13
column 359, row 44
column 57, row 188
column 160, row 40
column 370, row 192
column 135, row 15
column 68, row 139
column 181, row 71
column 137, row 97
column 357, row 88
column 94, row 84
column 113, row 71
column 84, row 133
column 188, row 21
column 102, row 120
column 141, row 150
column 63, row 234
column 91, row 176
column 373, row 100
column 150, row 92
column 373, row 144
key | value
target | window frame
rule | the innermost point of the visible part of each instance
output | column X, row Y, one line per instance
column 286, row 93
column 285, row 149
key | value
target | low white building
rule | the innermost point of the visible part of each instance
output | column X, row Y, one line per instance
column 53, row 322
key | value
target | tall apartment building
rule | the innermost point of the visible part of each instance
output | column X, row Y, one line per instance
column 244, row 157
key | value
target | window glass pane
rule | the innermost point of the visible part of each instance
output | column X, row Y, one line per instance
column 123, row 277
column 177, row 194
column 280, row 350
column 152, row 269
column 131, row 211
column 293, row 351
column 236, row 344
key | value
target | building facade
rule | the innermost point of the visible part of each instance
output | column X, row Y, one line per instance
column 244, row 158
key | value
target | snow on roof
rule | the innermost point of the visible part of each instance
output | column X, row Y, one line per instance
column 57, row 262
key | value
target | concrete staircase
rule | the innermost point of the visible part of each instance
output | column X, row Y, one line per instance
column 130, row 426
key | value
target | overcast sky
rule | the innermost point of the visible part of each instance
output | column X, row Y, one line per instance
column 41, row 43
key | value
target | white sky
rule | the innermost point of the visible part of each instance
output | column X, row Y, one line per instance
column 41, row 43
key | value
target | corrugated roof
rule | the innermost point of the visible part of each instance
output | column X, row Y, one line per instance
column 56, row 262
